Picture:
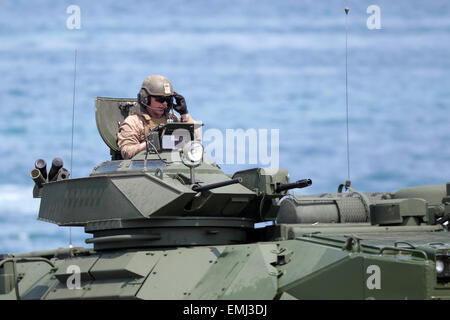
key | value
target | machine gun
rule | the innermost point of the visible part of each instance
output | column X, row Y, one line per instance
column 303, row 183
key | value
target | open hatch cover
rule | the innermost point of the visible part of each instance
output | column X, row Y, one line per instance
column 109, row 114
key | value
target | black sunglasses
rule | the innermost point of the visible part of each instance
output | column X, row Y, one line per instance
column 162, row 99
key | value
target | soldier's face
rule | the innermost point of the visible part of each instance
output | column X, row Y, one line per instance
column 158, row 110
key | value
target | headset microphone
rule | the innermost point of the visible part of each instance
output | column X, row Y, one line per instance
column 147, row 103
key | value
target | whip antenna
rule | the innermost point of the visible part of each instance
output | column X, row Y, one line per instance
column 73, row 122
column 346, row 90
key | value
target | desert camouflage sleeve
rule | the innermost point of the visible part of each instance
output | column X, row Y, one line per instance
column 129, row 136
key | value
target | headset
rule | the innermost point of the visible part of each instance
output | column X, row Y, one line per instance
column 144, row 98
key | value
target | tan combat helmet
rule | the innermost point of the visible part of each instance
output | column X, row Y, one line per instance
column 157, row 85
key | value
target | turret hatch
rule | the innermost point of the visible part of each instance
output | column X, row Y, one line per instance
column 109, row 114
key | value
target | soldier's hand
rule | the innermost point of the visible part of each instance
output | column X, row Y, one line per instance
column 180, row 105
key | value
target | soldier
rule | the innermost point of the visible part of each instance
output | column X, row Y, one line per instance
column 155, row 99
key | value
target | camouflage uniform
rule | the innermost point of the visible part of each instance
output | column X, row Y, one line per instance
column 135, row 128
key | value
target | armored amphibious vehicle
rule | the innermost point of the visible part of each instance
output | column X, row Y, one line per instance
column 170, row 224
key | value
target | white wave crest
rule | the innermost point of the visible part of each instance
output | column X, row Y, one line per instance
column 18, row 199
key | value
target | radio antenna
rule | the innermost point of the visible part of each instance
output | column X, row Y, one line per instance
column 346, row 90
column 73, row 123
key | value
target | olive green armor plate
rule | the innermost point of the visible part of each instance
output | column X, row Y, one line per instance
column 109, row 114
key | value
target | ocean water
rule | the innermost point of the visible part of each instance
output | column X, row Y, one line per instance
column 249, row 64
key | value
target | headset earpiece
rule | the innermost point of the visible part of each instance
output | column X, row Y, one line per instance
column 143, row 99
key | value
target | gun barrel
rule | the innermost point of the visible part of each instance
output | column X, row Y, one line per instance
column 297, row 184
column 216, row 185
column 37, row 177
column 63, row 174
column 42, row 166
column 57, row 164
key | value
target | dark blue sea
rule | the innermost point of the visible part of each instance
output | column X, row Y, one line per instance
column 241, row 64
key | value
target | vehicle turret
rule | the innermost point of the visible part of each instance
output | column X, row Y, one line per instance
column 168, row 195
